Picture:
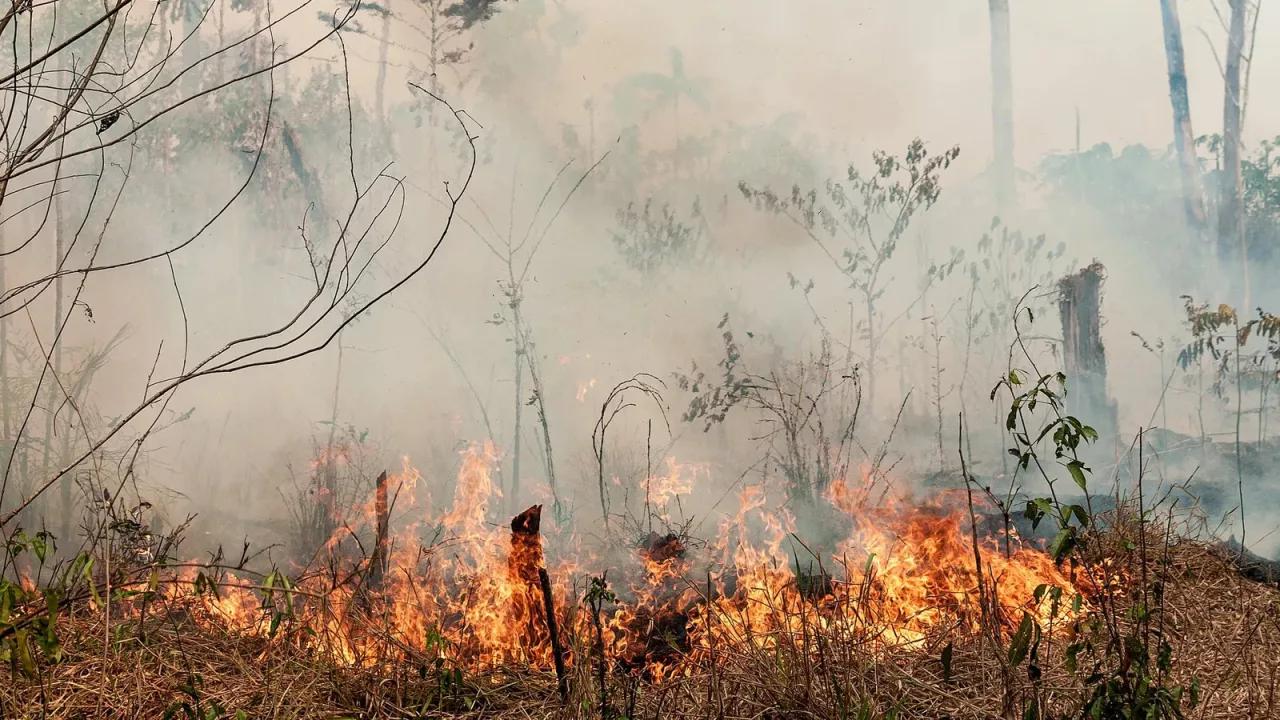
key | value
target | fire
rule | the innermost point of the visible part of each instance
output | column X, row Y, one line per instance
column 465, row 588
column 678, row 481
column 338, row 454
column 921, row 564
column 584, row 387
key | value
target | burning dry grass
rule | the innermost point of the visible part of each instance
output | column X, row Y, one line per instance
column 893, row 621
column 1224, row 630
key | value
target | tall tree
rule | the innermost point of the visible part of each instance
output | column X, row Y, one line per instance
column 1231, row 198
column 380, row 89
column 1183, row 137
column 473, row 12
column 1002, row 103
column 442, row 25
column 447, row 20
column 643, row 93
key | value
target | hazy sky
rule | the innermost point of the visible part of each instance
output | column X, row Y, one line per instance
column 885, row 71
column 862, row 74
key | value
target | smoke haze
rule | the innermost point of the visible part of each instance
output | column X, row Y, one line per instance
column 770, row 94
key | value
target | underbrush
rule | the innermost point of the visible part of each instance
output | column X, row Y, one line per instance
column 928, row 612
column 136, row 647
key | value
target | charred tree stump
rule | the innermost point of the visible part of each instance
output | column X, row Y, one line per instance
column 1080, row 310
column 557, row 651
column 378, row 563
column 326, row 494
column 526, row 547
column 523, row 564
column 663, row 626
column 661, row 548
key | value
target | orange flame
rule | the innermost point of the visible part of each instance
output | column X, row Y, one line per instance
column 465, row 589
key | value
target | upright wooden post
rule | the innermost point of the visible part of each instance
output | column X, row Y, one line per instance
column 378, row 564
column 1080, row 310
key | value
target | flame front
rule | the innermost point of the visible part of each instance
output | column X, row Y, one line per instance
column 466, row 590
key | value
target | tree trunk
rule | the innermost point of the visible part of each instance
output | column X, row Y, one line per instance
column 5, row 426
column 1231, row 200
column 514, row 500
column 532, row 359
column 591, row 130
column 381, row 88
column 56, row 369
column 436, row 50
column 10, row 442
column 328, row 479
column 222, row 35
column 526, row 556
column 873, row 346
column 381, row 545
column 1080, row 311
column 1183, row 137
column 1002, row 104
column 166, row 189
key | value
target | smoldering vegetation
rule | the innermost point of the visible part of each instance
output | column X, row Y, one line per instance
column 497, row 358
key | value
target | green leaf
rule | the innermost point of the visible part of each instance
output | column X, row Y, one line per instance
column 1037, row 510
column 1081, row 514
column 1137, row 650
column 1077, row 470
column 1073, row 651
column 1062, row 544
column 1021, row 641
column 24, row 653
column 1044, row 505
column 1047, row 429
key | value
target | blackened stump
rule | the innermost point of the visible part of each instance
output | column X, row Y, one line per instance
column 523, row 563
column 378, row 563
column 660, row 548
column 526, row 546
column 1080, row 311
column 557, row 651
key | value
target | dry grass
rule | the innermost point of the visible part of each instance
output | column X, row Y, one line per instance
column 1225, row 632
column 1223, row 628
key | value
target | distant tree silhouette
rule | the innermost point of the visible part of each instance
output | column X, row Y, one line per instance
column 473, row 12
